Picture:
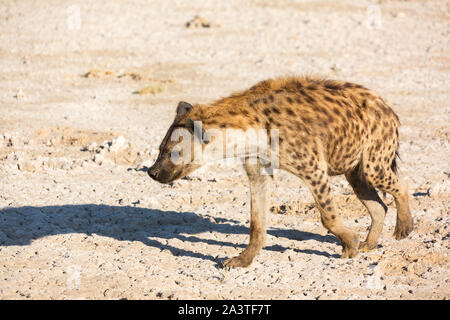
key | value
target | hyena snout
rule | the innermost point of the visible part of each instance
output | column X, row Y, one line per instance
column 165, row 172
column 153, row 172
column 158, row 173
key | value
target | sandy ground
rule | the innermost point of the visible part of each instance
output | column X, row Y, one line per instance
column 88, row 89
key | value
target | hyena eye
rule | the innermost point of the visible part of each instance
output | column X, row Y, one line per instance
column 196, row 128
column 190, row 125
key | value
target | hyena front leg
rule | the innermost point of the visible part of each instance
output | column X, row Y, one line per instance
column 260, row 184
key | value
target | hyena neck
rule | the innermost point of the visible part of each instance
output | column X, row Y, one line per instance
column 235, row 133
column 221, row 115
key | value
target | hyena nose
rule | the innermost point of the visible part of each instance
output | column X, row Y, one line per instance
column 153, row 173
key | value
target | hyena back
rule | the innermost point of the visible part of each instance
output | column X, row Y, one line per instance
column 325, row 128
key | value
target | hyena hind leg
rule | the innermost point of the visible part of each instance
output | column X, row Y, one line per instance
column 384, row 178
column 374, row 205
column 320, row 189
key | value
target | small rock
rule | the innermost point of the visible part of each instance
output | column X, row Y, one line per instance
column 26, row 166
column 335, row 68
column 19, row 95
column 8, row 140
column 65, row 164
column 198, row 22
column 92, row 147
column 118, row 144
column 437, row 189
column 93, row 73
column 154, row 203
column 50, row 142
column 98, row 158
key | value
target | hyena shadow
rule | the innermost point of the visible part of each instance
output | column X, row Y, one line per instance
column 22, row 225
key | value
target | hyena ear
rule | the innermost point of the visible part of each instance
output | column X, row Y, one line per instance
column 183, row 108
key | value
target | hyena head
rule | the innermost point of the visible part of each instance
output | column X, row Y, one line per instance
column 176, row 158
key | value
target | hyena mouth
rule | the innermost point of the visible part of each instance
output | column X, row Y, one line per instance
column 164, row 176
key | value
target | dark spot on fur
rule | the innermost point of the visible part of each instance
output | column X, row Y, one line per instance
column 377, row 114
column 310, row 99
column 321, row 109
column 323, row 122
column 298, row 125
column 378, row 146
column 349, row 114
column 333, row 85
column 364, row 104
column 359, row 114
column 348, row 85
column 290, row 112
column 330, row 99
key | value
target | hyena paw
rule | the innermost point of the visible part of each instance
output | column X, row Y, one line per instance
column 236, row 262
column 366, row 247
column 350, row 246
column 403, row 229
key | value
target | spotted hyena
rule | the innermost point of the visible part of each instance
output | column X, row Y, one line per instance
column 325, row 128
